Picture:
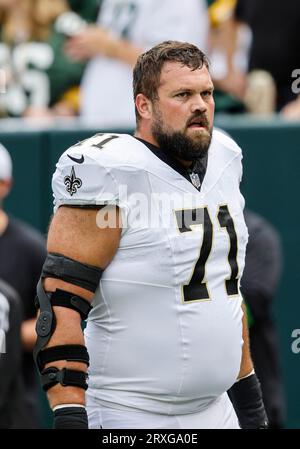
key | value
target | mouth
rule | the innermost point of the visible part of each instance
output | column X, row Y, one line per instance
column 197, row 126
column 198, row 123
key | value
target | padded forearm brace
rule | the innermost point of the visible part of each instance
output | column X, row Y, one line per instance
column 85, row 276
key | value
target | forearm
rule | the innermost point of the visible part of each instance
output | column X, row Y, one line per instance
column 246, row 362
column 95, row 41
column 60, row 354
column 124, row 51
column 67, row 332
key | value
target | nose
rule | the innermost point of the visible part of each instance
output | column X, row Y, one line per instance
column 198, row 104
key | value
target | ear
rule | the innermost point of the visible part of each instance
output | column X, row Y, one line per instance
column 144, row 106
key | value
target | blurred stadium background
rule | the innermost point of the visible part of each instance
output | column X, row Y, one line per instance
column 271, row 182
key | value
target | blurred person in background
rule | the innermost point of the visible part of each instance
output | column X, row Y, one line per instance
column 124, row 30
column 12, row 409
column 259, row 285
column 65, row 74
column 274, row 52
column 22, row 254
column 41, row 81
column 229, row 63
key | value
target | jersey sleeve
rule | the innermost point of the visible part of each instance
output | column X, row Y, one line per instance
column 239, row 167
column 83, row 178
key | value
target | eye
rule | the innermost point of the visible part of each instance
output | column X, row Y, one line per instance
column 207, row 93
column 182, row 94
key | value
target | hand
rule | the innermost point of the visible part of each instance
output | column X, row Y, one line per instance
column 38, row 112
column 234, row 83
column 64, row 109
column 91, row 42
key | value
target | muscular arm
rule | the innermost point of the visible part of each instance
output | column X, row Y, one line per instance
column 74, row 234
column 95, row 41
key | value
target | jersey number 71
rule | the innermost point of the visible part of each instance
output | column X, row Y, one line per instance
column 197, row 289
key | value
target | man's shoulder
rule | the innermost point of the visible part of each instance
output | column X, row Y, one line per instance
column 222, row 138
column 91, row 172
column 104, row 149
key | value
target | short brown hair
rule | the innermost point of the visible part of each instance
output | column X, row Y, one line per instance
column 147, row 70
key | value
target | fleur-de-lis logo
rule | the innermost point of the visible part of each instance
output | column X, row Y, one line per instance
column 72, row 183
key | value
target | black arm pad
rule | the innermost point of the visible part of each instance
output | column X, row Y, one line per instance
column 61, row 267
column 246, row 397
column 70, row 418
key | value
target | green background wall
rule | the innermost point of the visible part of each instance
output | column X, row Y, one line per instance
column 271, row 187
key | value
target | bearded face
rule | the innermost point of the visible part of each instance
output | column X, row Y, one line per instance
column 182, row 113
column 190, row 143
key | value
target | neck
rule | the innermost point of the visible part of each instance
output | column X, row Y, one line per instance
column 147, row 136
column 3, row 221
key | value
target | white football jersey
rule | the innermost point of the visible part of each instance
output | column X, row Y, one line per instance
column 165, row 332
column 106, row 89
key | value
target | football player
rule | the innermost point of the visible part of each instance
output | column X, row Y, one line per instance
column 150, row 230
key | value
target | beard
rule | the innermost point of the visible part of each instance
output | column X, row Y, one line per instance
column 178, row 144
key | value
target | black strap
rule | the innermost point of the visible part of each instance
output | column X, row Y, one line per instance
column 71, row 353
column 65, row 299
column 69, row 300
column 69, row 270
column 66, row 377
